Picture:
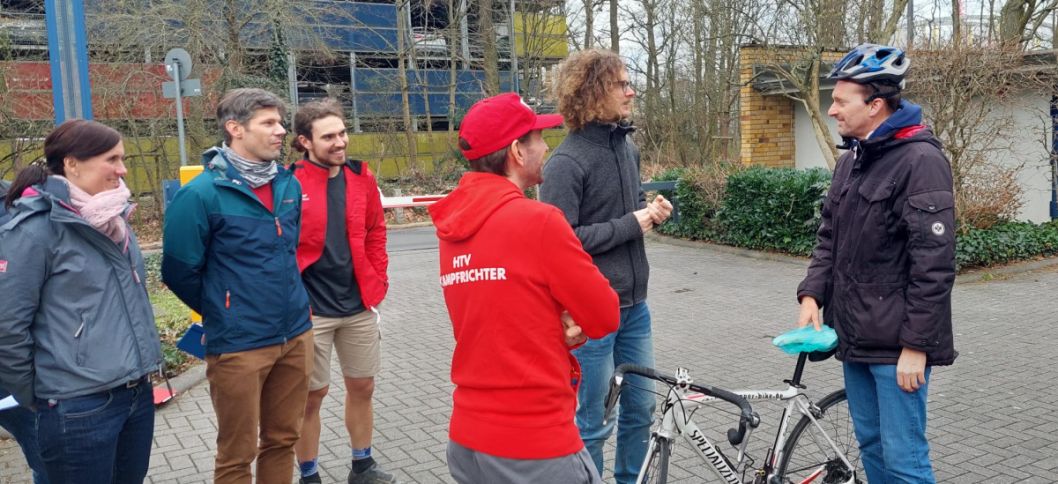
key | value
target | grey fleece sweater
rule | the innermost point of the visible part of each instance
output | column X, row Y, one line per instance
column 593, row 177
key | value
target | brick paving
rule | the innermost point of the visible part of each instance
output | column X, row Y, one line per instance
column 993, row 416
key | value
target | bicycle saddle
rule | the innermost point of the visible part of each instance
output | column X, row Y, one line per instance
column 808, row 340
column 817, row 356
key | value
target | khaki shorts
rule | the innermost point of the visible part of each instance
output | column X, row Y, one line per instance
column 357, row 341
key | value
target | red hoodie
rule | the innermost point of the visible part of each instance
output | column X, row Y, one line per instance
column 509, row 267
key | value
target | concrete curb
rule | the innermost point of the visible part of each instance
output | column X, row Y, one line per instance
column 411, row 225
column 184, row 381
column 977, row 275
column 727, row 249
column 986, row 274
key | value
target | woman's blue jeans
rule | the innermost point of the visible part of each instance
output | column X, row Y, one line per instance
column 22, row 424
column 104, row 437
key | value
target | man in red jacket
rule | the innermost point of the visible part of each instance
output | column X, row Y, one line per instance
column 515, row 279
column 343, row 261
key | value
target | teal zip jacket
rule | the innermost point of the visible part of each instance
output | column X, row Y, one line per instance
column 233, row 261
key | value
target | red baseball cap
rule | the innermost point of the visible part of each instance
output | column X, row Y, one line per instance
column 495, row 122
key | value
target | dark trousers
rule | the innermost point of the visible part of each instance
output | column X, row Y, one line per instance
column 104, row 437
column 22, row 424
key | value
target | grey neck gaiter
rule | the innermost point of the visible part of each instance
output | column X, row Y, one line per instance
column 256, row 173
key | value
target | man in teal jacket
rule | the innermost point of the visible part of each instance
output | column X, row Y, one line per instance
column 229, row 253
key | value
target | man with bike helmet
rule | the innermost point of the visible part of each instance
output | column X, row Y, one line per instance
column 884, row 262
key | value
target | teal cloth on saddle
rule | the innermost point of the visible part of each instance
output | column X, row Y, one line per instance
column 806, row 340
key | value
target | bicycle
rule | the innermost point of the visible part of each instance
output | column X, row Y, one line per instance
column 809, row 454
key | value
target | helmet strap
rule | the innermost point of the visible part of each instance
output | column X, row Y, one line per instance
column 878, row 94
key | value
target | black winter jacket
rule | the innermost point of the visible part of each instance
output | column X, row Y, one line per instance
column 884, row 263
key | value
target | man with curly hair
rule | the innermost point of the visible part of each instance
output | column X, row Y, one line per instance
column 593, row 177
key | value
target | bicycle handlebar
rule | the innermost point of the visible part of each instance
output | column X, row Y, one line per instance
column 747, row 418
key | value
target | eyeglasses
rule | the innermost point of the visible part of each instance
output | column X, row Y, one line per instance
column 625, row 85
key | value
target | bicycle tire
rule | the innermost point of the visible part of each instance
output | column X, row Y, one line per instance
column 808, row 458
column 656, row 470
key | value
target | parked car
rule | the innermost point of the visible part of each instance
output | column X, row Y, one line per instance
column 429, row 43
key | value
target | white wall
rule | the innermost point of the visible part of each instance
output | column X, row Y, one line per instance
column 1027, row 144
column 807, row 153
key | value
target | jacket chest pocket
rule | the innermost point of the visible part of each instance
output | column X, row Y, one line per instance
column 876, row 205
column 876, row 191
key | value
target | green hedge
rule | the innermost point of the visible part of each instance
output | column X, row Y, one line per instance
column 773, row 209
column 1006, row 242
column 779, row 209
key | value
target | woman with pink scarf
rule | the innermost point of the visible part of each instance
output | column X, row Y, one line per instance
column 77, row 334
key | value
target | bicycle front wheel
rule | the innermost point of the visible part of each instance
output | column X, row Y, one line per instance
column 656, row 467
column 808, row 456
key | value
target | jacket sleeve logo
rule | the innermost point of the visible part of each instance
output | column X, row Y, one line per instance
column 938, row 229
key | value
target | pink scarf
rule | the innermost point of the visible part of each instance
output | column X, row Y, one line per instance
column 103, row 210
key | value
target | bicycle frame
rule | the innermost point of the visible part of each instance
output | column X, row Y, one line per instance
column 680, row 405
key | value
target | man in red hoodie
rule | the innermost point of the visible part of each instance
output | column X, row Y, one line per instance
column 343, row 261
column 521, row 293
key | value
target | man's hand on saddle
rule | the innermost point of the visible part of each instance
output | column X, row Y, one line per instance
column 809, row 313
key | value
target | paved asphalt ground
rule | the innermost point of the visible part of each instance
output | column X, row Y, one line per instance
column 993, row 415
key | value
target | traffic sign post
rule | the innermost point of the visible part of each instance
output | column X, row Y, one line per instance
column 178, row 66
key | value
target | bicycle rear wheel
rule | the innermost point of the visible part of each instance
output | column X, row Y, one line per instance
column 656, row 467
column 809, row 458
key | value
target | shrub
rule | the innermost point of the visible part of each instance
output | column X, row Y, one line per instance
column 699, row 192
column 152, row 263
column 1005, row 242
column 773, row 209
column 988, row 197
column 779, row 209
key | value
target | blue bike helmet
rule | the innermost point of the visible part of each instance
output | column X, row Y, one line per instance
column 872, row 63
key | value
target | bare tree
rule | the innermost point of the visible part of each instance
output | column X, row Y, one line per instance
column 539, row 40
column 968, row 89
column 589, row 23
column 877, row 20
column 486, row 24
column 1020, row 19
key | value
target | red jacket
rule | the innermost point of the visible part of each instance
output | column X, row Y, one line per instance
column 364, row 221
column 509, row 267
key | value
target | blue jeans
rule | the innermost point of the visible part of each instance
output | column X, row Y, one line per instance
column 890, row 424
column 22, row 424
column 631, row 343
column 104, row 437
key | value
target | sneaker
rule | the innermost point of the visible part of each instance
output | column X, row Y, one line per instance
column 311, row 479
column 373, row 475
